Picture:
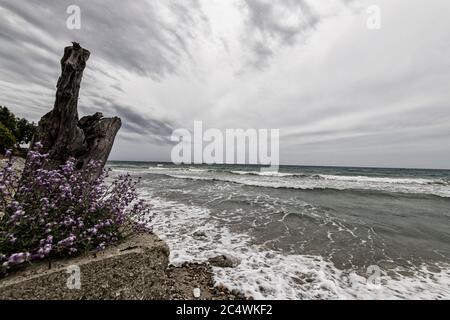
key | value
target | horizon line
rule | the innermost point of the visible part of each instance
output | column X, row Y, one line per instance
column 285, row 165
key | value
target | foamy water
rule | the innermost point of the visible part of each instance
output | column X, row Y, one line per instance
column 268, row 274
column 306, row 244
column 439, row 187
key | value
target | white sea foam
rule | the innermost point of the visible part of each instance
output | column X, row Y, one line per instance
column 160, row 168
column 197, row 170
column 380, row 179
column 264, row 173
column 439, row 187
column 337, row 184
column 268, row 274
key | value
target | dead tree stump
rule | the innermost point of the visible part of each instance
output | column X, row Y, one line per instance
column 61, row 133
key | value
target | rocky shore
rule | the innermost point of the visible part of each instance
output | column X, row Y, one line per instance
column 184, row 280
column 137, row 268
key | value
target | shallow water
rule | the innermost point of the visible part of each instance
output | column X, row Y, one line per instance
column 308, row 232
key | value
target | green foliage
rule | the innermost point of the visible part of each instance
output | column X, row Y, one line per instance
column 21, row 129
column 7, row 139
column 7, row 118
column 24, row 131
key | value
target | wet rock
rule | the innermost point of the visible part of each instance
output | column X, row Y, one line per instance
column 224, row 261
column 235, row 292
column 199, row 235
column 195, row 275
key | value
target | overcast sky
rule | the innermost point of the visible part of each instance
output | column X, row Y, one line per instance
column 340, row 93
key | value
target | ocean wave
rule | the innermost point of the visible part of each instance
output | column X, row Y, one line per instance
column 267, row 174
column 162, row 167
column 363, row 179
column 198, row 170
column 268, row 274
column 349, row 178
column 302, row 181
column 425, row 190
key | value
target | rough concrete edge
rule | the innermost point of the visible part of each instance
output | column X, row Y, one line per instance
column 136, row 243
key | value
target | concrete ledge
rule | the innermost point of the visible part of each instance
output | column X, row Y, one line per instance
column 134, row 269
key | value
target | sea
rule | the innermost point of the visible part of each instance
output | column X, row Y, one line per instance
column 306, row 232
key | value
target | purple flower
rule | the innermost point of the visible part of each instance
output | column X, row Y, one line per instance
column 18, row 258
column 67, row 212
column 67, row 242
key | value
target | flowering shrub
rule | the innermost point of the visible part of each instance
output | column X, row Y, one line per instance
column 55, row 213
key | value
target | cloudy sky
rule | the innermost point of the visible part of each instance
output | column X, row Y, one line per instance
column 340, row 93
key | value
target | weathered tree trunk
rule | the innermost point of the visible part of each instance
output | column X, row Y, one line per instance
column 60, row 131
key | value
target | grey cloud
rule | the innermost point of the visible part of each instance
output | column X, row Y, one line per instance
column 263, row 18
column 381, row 140
column 358, row 98
column 157, row 131
column 135, row 124
column 268, row 32
column 271, row 31
column 131, row 35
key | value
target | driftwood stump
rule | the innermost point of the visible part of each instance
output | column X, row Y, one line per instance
column 60, row 131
